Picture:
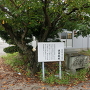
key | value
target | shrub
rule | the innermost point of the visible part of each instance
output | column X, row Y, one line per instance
column 12, row 49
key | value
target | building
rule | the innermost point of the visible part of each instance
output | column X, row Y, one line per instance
column 74, row 43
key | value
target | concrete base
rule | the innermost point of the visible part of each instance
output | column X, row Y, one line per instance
column 75, row 61
column 74, row 50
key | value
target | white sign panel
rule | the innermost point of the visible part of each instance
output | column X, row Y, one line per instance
column 50, row 51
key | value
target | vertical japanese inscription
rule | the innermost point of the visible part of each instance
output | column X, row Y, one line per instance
column 59, row 54
column 52, row 51
column 62, row 54
column 49, row 51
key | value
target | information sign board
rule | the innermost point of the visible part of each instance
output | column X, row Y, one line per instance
column 50, row 51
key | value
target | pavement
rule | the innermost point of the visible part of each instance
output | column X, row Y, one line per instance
column 2, row 46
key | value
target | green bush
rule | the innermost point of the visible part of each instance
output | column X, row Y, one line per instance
column 13, row 59
column 11, row 49
column 18, row 63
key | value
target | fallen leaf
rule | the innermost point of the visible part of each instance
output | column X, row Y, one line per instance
column 4, row 82
column 84, row 86
column 43, row 87
column 4, row 86
column 11, row 84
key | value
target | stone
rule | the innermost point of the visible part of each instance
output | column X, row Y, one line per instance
column 76, row 61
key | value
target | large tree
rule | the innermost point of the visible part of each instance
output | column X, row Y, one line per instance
column 22, row 19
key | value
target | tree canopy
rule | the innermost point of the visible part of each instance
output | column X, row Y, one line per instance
column 44, row 18
column 22, row 19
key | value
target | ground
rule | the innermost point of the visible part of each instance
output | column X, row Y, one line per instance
column 11, row 80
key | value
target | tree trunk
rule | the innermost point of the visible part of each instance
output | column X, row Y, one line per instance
column 33, row 60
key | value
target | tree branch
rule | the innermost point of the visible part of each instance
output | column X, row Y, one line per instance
column 58, row 17
column 47, row 24
column 14, row 4
column 47, row 19
column 19, row 43
column 5, row 10
column 24, row 33
column 82, row 7
column 8, row 28
column 73, row 10
column 22, row 3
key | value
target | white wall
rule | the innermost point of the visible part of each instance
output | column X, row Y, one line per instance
column 77, row 43
column 80, row 42
column 67, row 43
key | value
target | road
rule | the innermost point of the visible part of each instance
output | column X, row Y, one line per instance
column 2, row 46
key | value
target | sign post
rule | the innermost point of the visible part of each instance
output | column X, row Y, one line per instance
column 49, row 52
column 43, row 72
column 60, row 70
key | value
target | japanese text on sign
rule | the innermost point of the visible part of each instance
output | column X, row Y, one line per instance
column 50, row 51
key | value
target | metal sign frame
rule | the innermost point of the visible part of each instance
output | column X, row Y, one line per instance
column 49, row 52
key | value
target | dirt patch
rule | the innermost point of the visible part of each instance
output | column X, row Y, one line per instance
column 11, row 80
